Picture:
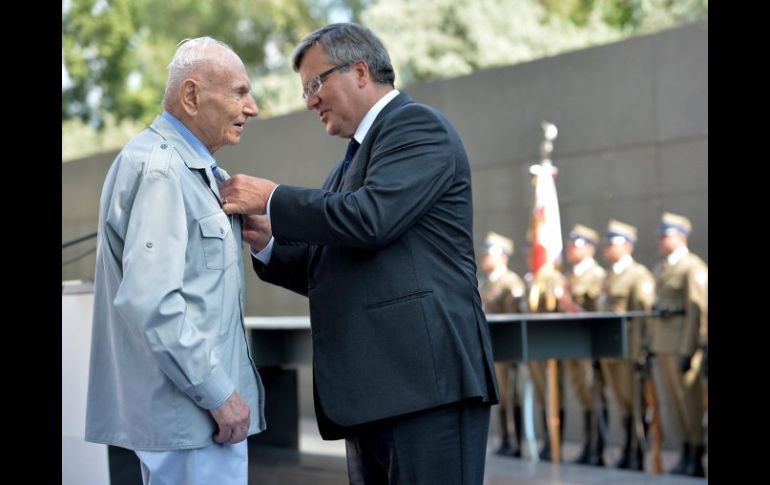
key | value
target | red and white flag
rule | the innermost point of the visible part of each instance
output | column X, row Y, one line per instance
column 545, row 226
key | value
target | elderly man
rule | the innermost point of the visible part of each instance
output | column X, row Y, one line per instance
column 170, row 373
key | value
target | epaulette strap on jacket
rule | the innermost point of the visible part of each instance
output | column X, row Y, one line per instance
column 159, row 160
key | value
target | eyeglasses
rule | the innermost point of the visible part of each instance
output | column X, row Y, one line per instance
column 316, row 82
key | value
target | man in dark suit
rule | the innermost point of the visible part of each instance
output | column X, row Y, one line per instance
column 402, row 358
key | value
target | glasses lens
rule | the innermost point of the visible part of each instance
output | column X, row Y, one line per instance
column 315, row 86
column 312, row 87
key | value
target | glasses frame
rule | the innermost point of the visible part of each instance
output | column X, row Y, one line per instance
column 319, row 79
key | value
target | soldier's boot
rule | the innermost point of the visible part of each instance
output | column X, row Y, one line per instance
column 637, row 455
column 695, row 467
column 518, row 430
column 585, row 456
column 684, row 461
column 636, row 458
column 545, row 452
column 625, row 455
column 505, row 442
column 597, row 458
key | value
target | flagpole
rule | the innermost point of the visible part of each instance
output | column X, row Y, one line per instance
column 545, row 255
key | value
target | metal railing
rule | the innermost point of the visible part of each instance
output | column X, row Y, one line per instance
column 77, row 240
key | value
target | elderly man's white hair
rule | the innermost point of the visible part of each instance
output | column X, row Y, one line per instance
column 189, row 54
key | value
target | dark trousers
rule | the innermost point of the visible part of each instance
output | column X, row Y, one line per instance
column 445, row 445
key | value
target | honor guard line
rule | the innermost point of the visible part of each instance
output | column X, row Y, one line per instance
column 279, row 344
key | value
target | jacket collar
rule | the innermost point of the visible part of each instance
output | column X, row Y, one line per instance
column 190, row 157
column 401, row 100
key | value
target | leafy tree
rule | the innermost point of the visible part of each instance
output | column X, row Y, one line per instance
column 435, row 39
column 115, row 52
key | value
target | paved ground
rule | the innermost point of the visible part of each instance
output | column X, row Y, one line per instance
column 323, row 463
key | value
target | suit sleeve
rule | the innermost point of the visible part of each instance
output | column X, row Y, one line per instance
column 287, row 267
column 150, row 295
column 411, row 164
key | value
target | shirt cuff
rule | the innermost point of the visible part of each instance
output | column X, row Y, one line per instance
column 269, row 200
column 213, row 391
column 264, row 255
column 217, row 405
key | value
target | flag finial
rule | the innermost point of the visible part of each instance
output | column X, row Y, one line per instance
column 550, row 132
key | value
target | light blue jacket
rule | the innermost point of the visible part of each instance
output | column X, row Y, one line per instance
column 168, row 339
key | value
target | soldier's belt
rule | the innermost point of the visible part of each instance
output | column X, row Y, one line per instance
column 667, row 312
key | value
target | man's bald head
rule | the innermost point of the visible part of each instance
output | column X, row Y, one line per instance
column 199, row 58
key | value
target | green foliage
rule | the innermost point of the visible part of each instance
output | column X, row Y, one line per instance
column 115, row 52
column 635, row 16
column 102, row 59
column 436, row 39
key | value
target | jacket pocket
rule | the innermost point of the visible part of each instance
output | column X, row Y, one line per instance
column 216, row 234
column 401, row 298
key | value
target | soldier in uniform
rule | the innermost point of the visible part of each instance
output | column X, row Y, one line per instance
column 546, row 295
column 585, row 281
column 629, row 287
column 680, row 338
column 503, row 291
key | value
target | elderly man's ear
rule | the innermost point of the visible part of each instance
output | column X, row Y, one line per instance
column 190, row 96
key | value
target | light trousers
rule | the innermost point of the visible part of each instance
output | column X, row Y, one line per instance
column 214, row 464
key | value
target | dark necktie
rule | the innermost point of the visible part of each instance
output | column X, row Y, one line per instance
column 352, row 148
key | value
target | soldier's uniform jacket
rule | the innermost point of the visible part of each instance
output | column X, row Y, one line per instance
column 504, row 294
column 546, row 291
column 683, row 285
column 633, row 289
column 586, row 287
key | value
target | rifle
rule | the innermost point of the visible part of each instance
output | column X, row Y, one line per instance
column 651, row 414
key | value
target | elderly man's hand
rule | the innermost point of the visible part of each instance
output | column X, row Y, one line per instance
column 233, row 418
column 242, row 194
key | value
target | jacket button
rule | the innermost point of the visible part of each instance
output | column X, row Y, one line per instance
column 198, row 398
column 163, row 146
column 149, row 245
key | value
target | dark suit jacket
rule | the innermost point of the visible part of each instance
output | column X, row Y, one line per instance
column 387, row 263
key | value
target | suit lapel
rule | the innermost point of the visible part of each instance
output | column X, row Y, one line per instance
column 333, row 183
column 354, row 176
column 338, row 177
